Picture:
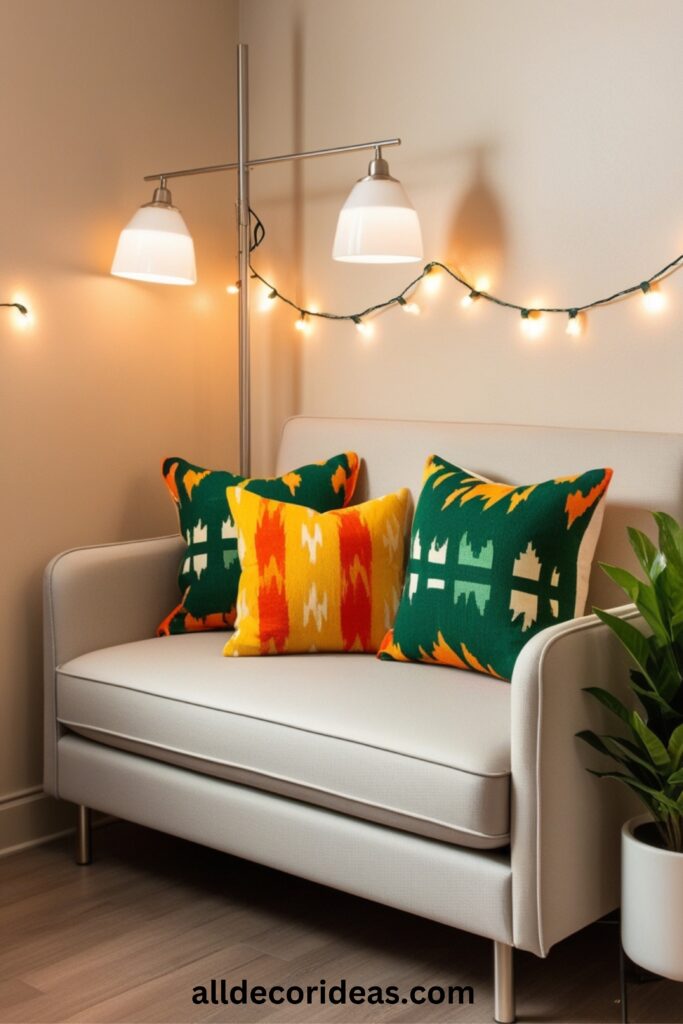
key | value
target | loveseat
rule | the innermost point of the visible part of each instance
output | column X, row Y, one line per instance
column 448, row 794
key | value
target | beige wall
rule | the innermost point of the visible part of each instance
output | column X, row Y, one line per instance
column 542, row 146
column 112, row 375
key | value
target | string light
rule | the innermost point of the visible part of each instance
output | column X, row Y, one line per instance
column 432, row 278
column 432, row 275
column 653, row 298
column 469, row 299
column 532, row 322
column 408, row 307
column 363, row 328
column 574, row 323
column 233, row 289
column 303, row 324
column 270, row 294
column 22, row 317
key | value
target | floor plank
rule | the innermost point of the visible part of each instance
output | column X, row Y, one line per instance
column 129, row 937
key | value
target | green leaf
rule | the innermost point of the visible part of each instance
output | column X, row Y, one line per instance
column 645, row 551
column 665, row 672
column 593, row 740
column 620, row 750
column 631, row 638
column 631, row 783
column 676, row 779
column 643, row 596
column 609, row 701
column 669, row 588
column 657, row 701
column 676, row 745
column 670, row 539
column 655, row 795
column 651, row 743
column 626, row 754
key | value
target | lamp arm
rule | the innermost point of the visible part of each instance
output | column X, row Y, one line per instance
column 330, row 151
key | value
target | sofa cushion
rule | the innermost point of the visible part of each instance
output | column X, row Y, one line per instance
column 424, row 751
column 316, row 581
column 210, row 570
column 491, row 565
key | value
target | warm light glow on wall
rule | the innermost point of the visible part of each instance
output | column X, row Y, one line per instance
column 366, row 330
column 22, row 321
column 267, row 299
column 533, row 323
column 433, row 281
column 653, row 298
column 467, row 301
column 575, row 325
column 409, row 307
column 303, row 324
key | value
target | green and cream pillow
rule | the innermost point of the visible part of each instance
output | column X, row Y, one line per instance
column 490, row 565
column 210, row 569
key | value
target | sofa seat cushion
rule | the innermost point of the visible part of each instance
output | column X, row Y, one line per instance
column 424, row 750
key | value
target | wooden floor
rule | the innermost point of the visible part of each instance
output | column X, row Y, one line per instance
column 128, row 938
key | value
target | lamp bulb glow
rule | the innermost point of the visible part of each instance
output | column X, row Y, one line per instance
column 233, row 289
column 653, row 298
column 532, row 323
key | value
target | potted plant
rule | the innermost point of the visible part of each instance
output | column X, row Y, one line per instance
column 649, row 751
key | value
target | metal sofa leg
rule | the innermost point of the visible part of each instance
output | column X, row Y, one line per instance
column 83, row 836
column 504, row 983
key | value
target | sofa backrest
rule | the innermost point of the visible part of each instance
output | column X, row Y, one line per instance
column 648, row 468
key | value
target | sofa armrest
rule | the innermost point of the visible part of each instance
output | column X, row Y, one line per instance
column 565, row 822
column 98, row 597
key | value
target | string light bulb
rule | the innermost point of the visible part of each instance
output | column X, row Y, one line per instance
column 363, row 328
column 653, row 298
column 303, row 324
column 575, row 324
column 532, row 322
column 469, row 299
column 408, row 307
column 432, row 281
column 268, row 300
column 233, row 289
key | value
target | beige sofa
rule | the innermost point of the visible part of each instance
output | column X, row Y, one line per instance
column 444, row 793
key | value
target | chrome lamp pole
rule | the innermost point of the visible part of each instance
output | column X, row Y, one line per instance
column 156, row 245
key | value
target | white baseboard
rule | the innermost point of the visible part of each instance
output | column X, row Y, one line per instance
column 31, row 817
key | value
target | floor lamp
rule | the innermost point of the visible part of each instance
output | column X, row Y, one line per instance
column 377, row 224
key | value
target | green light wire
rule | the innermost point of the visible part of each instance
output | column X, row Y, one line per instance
column 259, row 234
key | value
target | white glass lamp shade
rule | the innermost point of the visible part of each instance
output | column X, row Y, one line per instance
column 378, row 224
column 156, row 246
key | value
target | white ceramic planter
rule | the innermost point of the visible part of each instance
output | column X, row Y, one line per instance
column 651, row 903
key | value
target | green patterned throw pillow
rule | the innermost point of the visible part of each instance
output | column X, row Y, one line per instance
column 210, row 570
column 491, row 565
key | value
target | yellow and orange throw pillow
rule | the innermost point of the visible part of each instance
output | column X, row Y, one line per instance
column 210, row 569
column 316, row 582
column 490, row 565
